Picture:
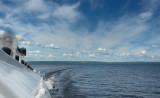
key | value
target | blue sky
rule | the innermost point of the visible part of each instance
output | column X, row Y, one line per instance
column 85, row 30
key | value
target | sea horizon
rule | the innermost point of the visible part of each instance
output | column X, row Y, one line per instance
column 89, row 62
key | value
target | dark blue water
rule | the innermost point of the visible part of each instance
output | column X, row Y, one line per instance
column 105, row 81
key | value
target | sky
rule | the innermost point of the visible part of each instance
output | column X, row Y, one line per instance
column 85, row 30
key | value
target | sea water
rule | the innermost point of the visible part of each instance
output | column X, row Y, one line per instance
column 105, row 81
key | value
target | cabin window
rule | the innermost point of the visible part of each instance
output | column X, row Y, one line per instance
column 22, row 61
column 25, row 64
column 7, row 50
column 17, row 57
column 23, row 51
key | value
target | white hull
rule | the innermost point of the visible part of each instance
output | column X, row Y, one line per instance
column 17, row 81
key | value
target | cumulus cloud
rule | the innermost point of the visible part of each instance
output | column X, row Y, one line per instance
column 67, row 54
column 130, row 53
column 101, row 49
column 77, row 54
column 38, row 22
column 91, row 55
column 34, row 52
column 24, row 42
column 51, row 46
column 143, row 51
column 51, row 56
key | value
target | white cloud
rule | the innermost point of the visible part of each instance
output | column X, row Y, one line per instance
column 143, row 51
column 101, row 49
column 44, row 16
column 145, row 16
column 61, row 34
column 125, row 54
column 67, row 54
column 35, row 5
column 77, row 54
column 2, row 32
column 34, row 52
column 24, row 42
column 67, row 12
column 92, row 55
column 19, row 37
column 118, row 33
column 155, row 46
column 96, row 4
column 107, row 34
column 51, row 46
column 84, row 51
column 37, row 44
column 51, row 56
column 151, row 5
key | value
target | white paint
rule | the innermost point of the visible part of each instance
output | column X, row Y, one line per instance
column 17, row 81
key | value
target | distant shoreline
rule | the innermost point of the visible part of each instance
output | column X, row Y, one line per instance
column 86, row 62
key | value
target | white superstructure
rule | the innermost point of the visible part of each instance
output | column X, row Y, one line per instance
column 8, row 40
column 16, row 79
